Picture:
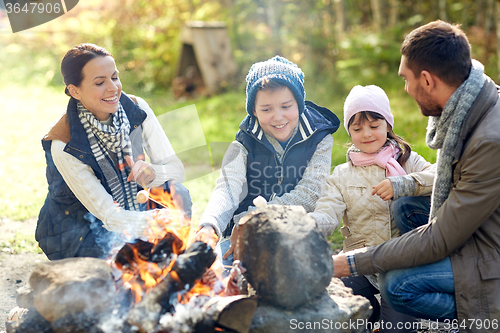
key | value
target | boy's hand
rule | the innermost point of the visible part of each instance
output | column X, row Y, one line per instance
column 384, row 190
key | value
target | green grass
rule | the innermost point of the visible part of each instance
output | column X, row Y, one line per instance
column 20, row 243
column 27, row 113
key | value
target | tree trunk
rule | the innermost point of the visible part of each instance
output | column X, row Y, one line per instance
column 339, row 18
column 497, row 21
column 490, row 13
column 377, row 14
column 480, row 9
column 233, row 23
column 465, row 16
column 274, row 22
column 442, row 10
column 393, row 17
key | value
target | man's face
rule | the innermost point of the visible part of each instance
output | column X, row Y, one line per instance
column 413, row 86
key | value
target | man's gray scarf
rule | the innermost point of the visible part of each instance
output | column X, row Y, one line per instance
column 106, row 140
column 443, row 132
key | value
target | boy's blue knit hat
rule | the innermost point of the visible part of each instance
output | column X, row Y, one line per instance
column 278, row 69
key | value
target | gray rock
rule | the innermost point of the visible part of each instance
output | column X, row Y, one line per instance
column 24, row 297
column 72, row 286
column 335, row 310
column 287, row 258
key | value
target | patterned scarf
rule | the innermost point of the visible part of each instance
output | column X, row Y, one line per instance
column 443, row 132
column 106, row 139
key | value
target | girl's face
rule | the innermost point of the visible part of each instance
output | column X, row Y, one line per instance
column 368, row 135
column 277, row 112
column 100, row 89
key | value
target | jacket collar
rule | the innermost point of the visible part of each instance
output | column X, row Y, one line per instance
column 487, row 98
column 313, row 118
column 79, row 138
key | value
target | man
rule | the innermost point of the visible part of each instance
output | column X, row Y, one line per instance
column 448, row 268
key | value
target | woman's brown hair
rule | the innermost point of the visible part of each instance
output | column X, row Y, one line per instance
column 75, row 59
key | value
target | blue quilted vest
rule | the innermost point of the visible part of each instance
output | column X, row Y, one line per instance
column 265, row 175
column 61, row 222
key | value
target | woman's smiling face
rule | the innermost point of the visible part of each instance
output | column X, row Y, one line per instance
column 100, row 89
column 277, row 112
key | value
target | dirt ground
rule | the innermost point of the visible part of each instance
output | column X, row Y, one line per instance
column 15, row 269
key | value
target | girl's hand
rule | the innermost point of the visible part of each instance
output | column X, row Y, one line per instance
column 141, row 172
column 384, row 190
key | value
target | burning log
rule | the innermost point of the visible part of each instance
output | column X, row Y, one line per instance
column 234, row 313
column 188, row 268
column 148, row 251
column 127, row 254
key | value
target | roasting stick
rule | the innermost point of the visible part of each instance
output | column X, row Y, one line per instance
column 143, row 197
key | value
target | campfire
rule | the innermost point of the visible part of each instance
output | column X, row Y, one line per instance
column 159, row 283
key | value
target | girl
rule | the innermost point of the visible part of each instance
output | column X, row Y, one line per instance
column 95, row 161
column 380, row 168
column 282, row 151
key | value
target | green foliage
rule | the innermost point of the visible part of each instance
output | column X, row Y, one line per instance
column 366, row 57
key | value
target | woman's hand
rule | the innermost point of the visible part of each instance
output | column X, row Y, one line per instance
column 141, row 172
column 384, row 190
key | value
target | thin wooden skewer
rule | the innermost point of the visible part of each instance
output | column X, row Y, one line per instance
column 143, row 196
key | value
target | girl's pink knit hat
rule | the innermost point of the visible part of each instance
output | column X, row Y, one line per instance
column 367, row 98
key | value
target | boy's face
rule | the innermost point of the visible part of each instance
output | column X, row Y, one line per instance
column 277, row 112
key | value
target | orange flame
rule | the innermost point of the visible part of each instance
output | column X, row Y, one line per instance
column 142, row 275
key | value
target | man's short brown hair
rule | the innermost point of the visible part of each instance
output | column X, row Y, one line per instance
column 440, row 48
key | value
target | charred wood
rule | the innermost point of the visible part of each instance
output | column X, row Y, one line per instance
column 148, row 251
column 188, row 268
column 234, row 313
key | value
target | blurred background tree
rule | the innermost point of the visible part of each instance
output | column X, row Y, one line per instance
column 337, row 39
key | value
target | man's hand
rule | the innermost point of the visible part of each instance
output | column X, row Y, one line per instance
column 141, row 172
column 340, row 266
column 233, row 239
column 384, row 190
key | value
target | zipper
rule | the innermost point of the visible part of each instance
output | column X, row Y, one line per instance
column 280, row 179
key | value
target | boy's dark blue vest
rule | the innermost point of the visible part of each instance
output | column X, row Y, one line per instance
column 61, row 223
column 265, row 175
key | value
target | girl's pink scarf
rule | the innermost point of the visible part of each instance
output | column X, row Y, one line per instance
column 384, row 159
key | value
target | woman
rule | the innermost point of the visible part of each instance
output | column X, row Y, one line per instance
column 95, row 161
